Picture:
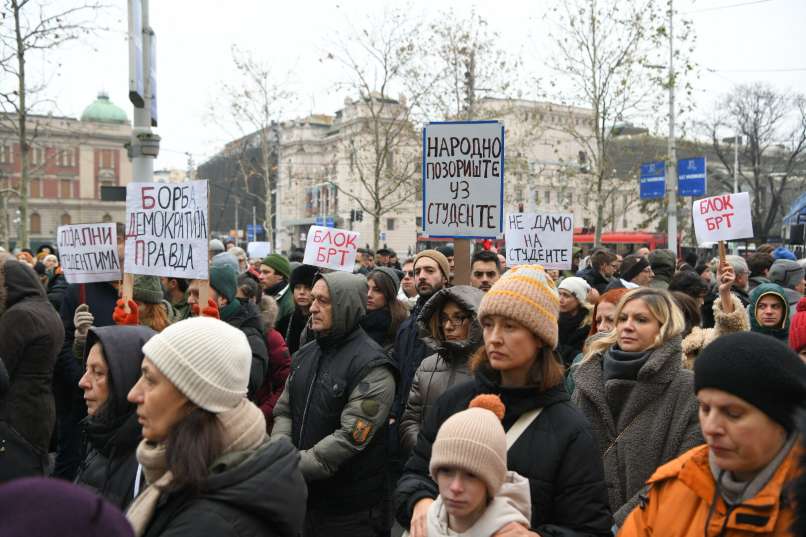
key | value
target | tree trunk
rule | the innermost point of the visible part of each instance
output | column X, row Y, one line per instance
column 22, row 132
column 267, row 225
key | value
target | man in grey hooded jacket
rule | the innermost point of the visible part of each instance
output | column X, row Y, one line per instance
column 335, row 409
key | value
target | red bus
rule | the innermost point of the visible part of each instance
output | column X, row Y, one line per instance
column 621, row 242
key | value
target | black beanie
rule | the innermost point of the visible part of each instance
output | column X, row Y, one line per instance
column 757, row 368
column 632, row 266
column 303, row 274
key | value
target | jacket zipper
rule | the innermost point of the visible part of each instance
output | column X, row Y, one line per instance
column 307, row 403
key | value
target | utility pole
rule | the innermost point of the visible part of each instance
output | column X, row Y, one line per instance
column 736, row 162
column 144, row 145
column 671, row 168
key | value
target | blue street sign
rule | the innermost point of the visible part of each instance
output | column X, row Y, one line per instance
column 252, row 230
column 691, row 177
column 323, row 221
column 653, row 180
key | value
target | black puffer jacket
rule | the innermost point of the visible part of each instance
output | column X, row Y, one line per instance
column 113, row 433
column 573, row 331
column 31, row 335
column 247, row 320
column 262, row 496
column 447, row 366
column 557, row 453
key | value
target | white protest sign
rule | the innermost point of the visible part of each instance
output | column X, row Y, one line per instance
column 331, row 248
column 540, row 238
column 463, row 179
column 723, row 218
column 258, row 250
column 89, row 252
column 166, row 229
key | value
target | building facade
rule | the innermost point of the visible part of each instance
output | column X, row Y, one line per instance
column 71, row 159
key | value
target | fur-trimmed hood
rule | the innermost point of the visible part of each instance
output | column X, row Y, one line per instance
column 466, row 297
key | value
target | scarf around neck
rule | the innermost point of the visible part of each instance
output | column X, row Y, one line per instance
column 243, row 428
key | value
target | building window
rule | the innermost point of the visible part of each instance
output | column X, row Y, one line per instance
column 65, row 188
column 5, row 154
column 570, row 198
column 35, row 187
column 418, row 221
column 548, row 197
column 66, row 219
column 587, row 199
column 537, row 197
column 390, row 224
column 35, row 224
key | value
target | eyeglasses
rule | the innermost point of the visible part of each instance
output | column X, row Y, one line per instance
column 408, row 273
column 455, row 321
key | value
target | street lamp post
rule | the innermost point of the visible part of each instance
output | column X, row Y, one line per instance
column 671, row 169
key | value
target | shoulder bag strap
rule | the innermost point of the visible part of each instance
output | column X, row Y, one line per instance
column 519, row 426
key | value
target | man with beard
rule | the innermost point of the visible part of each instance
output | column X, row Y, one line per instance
column 431, row 272
column 485, row 269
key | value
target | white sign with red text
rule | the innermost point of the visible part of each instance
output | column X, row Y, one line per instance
column 332, row 248
column 725, row 217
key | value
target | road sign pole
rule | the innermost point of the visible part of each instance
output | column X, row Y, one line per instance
column 671, row 169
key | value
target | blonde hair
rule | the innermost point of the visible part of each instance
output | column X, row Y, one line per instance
column 662, row 306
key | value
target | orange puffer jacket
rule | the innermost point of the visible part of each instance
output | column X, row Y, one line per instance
column 680, row 496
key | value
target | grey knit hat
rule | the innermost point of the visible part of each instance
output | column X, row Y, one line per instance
column 786, row 273
column 147, row 289
column 206, row 359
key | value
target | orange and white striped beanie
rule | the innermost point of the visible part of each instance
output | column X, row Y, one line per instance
column 526, row 294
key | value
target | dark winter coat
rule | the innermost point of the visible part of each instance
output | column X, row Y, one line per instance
column 57, row 286
column 447, row 366
column 409, row 352
column 247, row 319
column 557, row 454
column 113, row 433
column 70, row 407
column 293, row 331
column 594, row 278
column 31, row 335
column 274, row 383
column 376, row 324
column 263, row 495
column 573, row 331
column 639, row 424
column 335, row 407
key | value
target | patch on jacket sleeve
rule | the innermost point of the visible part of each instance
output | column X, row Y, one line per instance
column 370, row 407
column 361, row 431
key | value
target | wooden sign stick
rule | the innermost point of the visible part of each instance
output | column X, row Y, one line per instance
column 461, row 261
column 204, row 293
column 128, row 290
column 721, row 253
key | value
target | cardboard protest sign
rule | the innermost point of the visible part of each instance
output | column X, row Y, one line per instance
column 258, row 250
column 166, row 229
column 540, row 238
column 89, row 252
column 331, row 248
column 723, row 218
column 463, row 179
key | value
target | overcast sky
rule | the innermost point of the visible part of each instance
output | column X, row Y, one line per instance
column 743, row 40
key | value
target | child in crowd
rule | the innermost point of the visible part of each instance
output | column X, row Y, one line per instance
column 478, row 497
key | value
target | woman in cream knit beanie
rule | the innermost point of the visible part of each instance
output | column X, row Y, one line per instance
column 191, row 402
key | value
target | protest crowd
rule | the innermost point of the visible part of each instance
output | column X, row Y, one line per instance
column 634, row 396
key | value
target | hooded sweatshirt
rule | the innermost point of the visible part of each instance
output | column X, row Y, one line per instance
column 448, row 365
column 663, row 265
column 780, row 332
column 31, row 334
column 113, row 434
column 513, row 503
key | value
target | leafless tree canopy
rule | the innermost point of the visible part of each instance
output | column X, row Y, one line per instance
column 772, row 157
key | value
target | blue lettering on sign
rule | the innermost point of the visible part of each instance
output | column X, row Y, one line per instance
column 653, row 180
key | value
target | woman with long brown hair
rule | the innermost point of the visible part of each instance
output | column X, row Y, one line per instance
column 206, row 460
column 551, row 442
column 636, row 394
column 385, row 311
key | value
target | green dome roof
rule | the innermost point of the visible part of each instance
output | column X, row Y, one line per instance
column 104, row 111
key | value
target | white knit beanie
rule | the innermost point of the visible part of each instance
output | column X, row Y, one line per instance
column 577, row 287
column 206, row 359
